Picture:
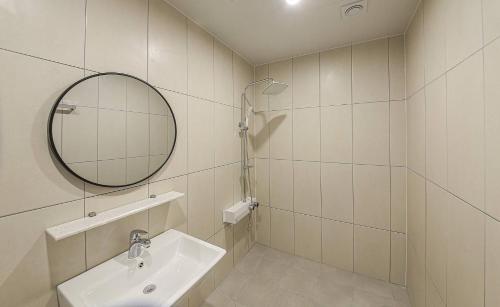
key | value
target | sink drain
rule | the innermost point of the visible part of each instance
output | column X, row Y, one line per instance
column 149, row 288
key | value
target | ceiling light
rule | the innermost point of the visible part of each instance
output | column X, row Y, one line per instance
column 292, row 2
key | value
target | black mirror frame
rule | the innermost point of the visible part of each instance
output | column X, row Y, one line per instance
column 59, row 158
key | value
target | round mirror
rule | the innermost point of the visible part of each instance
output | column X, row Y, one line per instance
column 112, row 129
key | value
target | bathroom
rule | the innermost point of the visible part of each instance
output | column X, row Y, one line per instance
column 245, row 153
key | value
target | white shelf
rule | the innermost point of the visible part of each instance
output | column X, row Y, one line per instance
column 77, row 226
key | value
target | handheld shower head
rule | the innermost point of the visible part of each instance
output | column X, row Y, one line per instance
column 274, row 88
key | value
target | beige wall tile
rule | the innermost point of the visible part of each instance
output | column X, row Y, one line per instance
column 260, row 138
column 372, row 196
column 492, row 111
column 435, row 127
column 371, row 133
column 306, row 81
column 437, row 236
column 223, row 131
column 491, row 20
column 432, row 297
column 465, row 261
column 281, row 184
column 241, row 239
column 336, row 134
column 398, row 133
column 262, row 180
column 112, row 172
column 280, row 134
column 397, row 84
column 335, row 77
column 372, row 252
column 223, row 239
column 200, row 292
column 492, row 265
column 416, row 277
column 308, row 237
column 117, row 27
column 282, row 72
column 336, row 191
column 434, row 38
column 172, row 214
column 415, row 57
column 370, row 73
column 80, row 127
column 306, row 134
column 398, row 258
column 416, row 212
column 264, row 225
column 137, row 142
column 261, row 100
column 29, row 143
column 111, row 140
column 200, row 134
column 463, row 35
column 242, row 75
column 337, row 244
column 465, row 120
column 115, row 199
column 282, row 230
column 398, row 199
column 167, row 47
column 223, row 74
column 201, row 204
column 200, row 62
column 416, row 133
column 223, row 193
column 236, row 135
column 307, row 187
column 34, row 260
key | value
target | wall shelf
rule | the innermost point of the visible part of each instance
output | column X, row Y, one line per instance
column 77, row 226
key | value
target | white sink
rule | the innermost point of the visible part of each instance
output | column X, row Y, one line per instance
column 173, row 264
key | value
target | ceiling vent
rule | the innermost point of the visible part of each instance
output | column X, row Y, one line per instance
column 353, row 8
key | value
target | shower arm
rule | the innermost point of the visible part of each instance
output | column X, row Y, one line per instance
column 254, row 83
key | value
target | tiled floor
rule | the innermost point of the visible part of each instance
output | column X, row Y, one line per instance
column 266, row 277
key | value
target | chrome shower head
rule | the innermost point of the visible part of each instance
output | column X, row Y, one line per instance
column 274, row 88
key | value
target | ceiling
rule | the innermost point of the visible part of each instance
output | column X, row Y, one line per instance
column 264, row 31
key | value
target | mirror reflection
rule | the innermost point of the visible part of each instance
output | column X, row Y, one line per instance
column 112, row 129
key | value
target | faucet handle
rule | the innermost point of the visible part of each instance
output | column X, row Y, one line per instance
column 136, row 234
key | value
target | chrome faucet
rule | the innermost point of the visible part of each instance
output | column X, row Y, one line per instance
column 137, row 243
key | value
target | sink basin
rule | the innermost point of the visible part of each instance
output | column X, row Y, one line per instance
column 173, row 264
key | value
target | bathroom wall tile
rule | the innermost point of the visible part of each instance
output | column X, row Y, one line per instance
column 115, row 199
column 465, row 120
column 416, row 277
column 416, row 132
column 397, row 84
column 335, row 77
column 336, row 134
column 242, row 76
column 261, row 100
column 437, row 236
column 336, row 191
column 307, row 187
column 398, row 258
column 200, row 292
column 200, row 134
column 79, row 126
column 137, row 134
column 236, row 135
column 173, row 214
column 306, row 134
column 262, row 180
column 416, row 213
column 241, row 239
column 282, row 230
column 260, row 136
column 282, row 72
column 137, row 96
column 223, row 239
column 435, row 114
column 111, row 139
column 117, row 27
column 434, row 38
column 87, row 170
column 306, row 81
column 107, row 241
column 281, row 184
column 34, row 260
column 167, row 47
column 398, row 199
column 371, row 133
column 201, row 204
column 372, row 252
column 158, row 135
column 264, row 225
column 370, row 74
column 398, row 133
column 29, row 144
column 372, row 196
column 463, row 30
column 223, row 193
column 280, row 134
column 492, row 111
column 465, row 255
column 177, row 163
column 337, row 244
column 491, row 20
column 200, row 62
column 223, row 74
column 492, row 265
column 137, row 169
column 415, row 54
column 237, row 182
column 432, row 297
column 223, row 133
column 112, row 92
column 308, row 237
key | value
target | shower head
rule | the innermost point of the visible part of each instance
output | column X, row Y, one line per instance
column 274, row 88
